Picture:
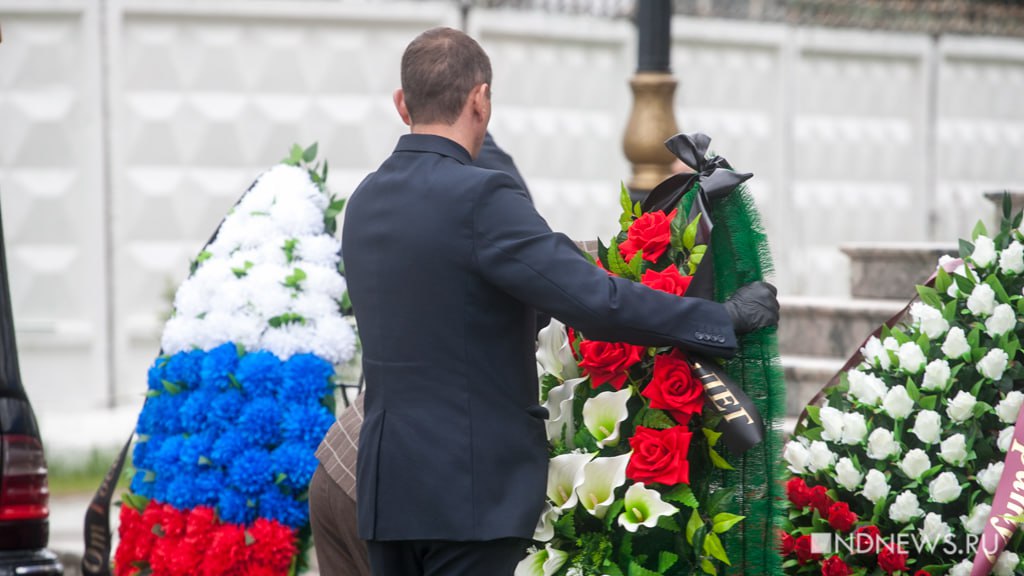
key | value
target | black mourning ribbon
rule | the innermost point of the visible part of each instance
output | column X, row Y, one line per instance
column 741, row 424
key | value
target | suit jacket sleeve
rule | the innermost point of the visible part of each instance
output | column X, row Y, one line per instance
column 517, row 251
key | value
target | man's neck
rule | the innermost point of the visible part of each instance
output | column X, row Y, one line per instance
column 454, row 132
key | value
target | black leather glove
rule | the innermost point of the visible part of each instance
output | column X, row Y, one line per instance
column 753, row 306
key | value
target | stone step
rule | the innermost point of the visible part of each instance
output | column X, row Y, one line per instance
column 830, row 327
column 890, row 270
column 805, row 376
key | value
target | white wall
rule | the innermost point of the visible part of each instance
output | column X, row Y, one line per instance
column 128, row 127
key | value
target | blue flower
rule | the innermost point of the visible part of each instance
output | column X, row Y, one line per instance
column 306, row 424
column 217, row 364
column 261, row 421
column 227, row 405
column 209, row 484
column 165, row 460
column 250, row 473
column 140, row 486
column 306, row 376
column 155, row 376
column 182, row 492
column 259, row 373
column 183, row 368
column 195, row 447
column 195, row 411
column 296, row 462
column 162, row 482
column 279, row 506
column 161, row 414
column 233, row 507
column 229, row 446
column 144, row 450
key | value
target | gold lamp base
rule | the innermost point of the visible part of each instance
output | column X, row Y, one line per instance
column 651, row 122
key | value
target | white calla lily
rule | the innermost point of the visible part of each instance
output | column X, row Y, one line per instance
column 542, row 562
column 546, row 524
column 554, row 352
column 603, row 414
column 643, row 507
column 565, row 475
column 601, row 477
column 560, row 424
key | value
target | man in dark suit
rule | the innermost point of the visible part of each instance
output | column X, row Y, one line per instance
column 445, row 264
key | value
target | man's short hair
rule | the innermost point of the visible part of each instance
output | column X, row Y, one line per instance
column 439, row 69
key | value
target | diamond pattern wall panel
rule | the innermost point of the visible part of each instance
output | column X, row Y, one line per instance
column 52, row 200
column 980, row 129
column 204, row 96
column 560, row 104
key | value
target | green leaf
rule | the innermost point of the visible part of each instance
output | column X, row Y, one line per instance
column 566, row 525
column 979, row 230
column 669, row 523
column 928, row 402
column 204, row 461
column 719, row 499
column 942, row 281
column 966, row 249
column 636, row 569
column 243, row 271
column 694, row 524
column 294, row 156
column 289, row 249
column 135, row 501
column 677, row 227
column 718, row 461
column 171, row 387
column 708, row 567
column 294, row 280
column 912, row 390
column 249, row 539
column 658, row 420
column 713, row 546
column 635, row 263
column 624, row 199
column 613, row 512
column 690, row 233
column 997, row 287
column 683, row 494
column 638, row 211
column 814, row 413
column 712, row 436
column 280, row 477
column 309, row 154
column 929, row 296
column 152, row 393
column 158, row 530
column 722, row 522
column 287, row 318
column 666, row 560
column 609, row 568
column 616, row 264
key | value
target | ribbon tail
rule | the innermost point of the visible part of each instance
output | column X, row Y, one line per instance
column 742, row 427
column 1007, row 502
column 720, row 182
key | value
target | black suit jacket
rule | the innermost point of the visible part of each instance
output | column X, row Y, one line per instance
column 444, row 262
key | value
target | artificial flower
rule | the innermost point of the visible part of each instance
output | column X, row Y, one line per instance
column 650, row 233
column 905, row 508
column 674, row 388
column 929, row 320
column 1009, row 407
column 601, row 476
column 604, row 413
column 1006, row 564
column 560, row 424
column 984, row 253
column 668, row 280
column 993, row 364
column 882, row 444
column 1011, row 259
column 982, row 300
column 847, row 474
column 819, row 456
column 915, row 463
column 1002, row 320
column 953, row 450
column 643, row 507
column 975, row 523
column 911, row 358
column 797, row 456
column 897, row 403
column 866, row 388
column 936, row 376
column 554, row 352
column 1005, row 438
column 544, row 562
column 660, row 455
column 961, row 407
column 608, row 362
column 955, row 345
column 565, row 475
column 989, row 477
column 944, row 488
column 927, row 426
column 840, row 518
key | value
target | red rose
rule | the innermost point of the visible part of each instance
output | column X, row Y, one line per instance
column 803, row 549
column 820, row 500
column 922, row 573
column 673, row 387
column 651, row 233
column 840, row 518
column 608, row 361
column 834, row 566
column 798, row 492
column 669, row 280
column 866, row 539
column 788, row 543
column 660, row 456
column 892, row 559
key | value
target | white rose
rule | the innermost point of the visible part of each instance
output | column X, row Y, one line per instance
column 1005, row 438
column 832, row 422
column 797, row 456
column 1003, row 320
column 855, row 428
column 905, row 508
column 936, row 375
column 915, row 463
column 984, row 251
column 982, row 300
column 989, row 477
column 882, row 444
column 961, row 569
column 961, row 407
column 929, row 320
column 934, row 532
column 975, row 523
column 891, row 343
column 944, row 488
column 875, row 353
column 927, row 426
column 911, row 358
column 956, row 344
column 1009, row 407
column 866, row 388
column 993, row 364
column 1012, row 258
column 1006, row 565
column 897, row 403
column 875, row 486
column 954, row 290
column 847, row 475
column 954, row 450
column 820, row 456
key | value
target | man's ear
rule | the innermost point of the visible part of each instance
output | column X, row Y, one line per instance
column 403, row 111
column 481, row 99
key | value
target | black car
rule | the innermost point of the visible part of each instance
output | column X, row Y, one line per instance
column 24, row 494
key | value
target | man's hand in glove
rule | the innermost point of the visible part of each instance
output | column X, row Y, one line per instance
column 753, row 306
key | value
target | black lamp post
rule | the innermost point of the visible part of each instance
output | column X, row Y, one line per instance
column 652, row 120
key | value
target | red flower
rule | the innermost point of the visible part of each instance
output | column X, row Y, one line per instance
column 788, row 543
column 834, row 566
column 651, row 233
column 226, row 553
column 130, row 530
column 669, row 280
column 840, row 518
column 922, row 573
column 798, row 492
column 866, row 539
column 892, row 559
column 660, row 456
column 273, row 546
column 820, row 500
column 803, row 549
column 608, row 361
column 673, row 387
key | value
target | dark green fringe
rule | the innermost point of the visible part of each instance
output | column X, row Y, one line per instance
column 741, row 255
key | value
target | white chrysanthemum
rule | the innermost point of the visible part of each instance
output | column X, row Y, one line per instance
column 179, row 333
column 897, row 403
column 927, row 426
column 287, row 340
column 325, row 281
column 953, row 450
column 1003, row 320
column 882, row 444
column 982, row 300
column 929, row 320
column 322, row 250
column 876, row 487
column 265, row 289
column 1005, row 438
column 905, row 508
column 866, row 388
column 1011, row 260
column 911, row 358
column 936, row 375
column 296, row 217
column 975, row 523
column 333, row 339
column 988, row 478
column 847, row 474
column 309, row 304
column 993, row 364
column 961, row 407
column 875, row 353
column 955, row 344
column 944, row 488
column 1009, row 407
